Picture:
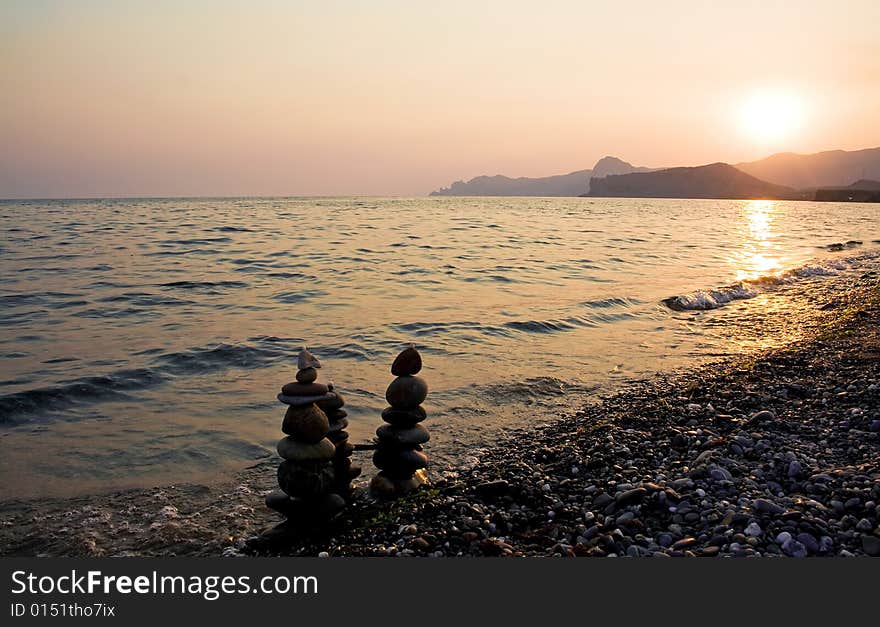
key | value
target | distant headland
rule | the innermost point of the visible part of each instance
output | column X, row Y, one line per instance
column 835, row 175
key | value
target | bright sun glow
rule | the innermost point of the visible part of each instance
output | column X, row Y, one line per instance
column 771, row 115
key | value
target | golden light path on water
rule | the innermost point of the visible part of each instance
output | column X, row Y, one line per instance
column 757, row 256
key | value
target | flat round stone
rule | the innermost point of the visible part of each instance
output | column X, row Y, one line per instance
column 344, row 449
column 338, row 425
column 406, row 392
column 336, row 414
column 305, row 481
column 331, row 402
column 301, row 452
column 387, row 487
column 303, row 400
column 331, row 505
column 408, row 362
column 306, row 423
column 307, row 375
column 279, row 501
column 338, row 436
column 399, row 463
column 295, row 388
column 403, row 436
column 403, row 417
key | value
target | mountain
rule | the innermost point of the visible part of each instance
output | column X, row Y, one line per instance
column 607, row 166
column 833, row 168
column 863, row 190
column 573, row 184
column 717, row 180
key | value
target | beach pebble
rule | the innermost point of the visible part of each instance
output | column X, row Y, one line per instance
column 305, row 423
column 408, row 362
column 305, row 359
column 403, row 436
column 406, row 392
column 307, row 375
column 289, row 448
column 296, row 388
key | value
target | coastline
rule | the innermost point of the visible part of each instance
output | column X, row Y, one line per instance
column 725, row 459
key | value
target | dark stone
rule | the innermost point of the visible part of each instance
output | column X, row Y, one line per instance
column 293, row 450
column 304, row 389
column 402, row 436
column 305, row 481
column 307, row 375
column 337, row 437
column 279, row 501
column 403, row 417
column 306, row 423
column 684, row 543
column 871, row 545
column 767, row 507
column 338, row 425
column 344, row 449
column 330, row 505
column 332, row 404
column 631, row 496
column 399, row 463
column 406, row 392
column 387, row 487
column 493, row 489
column 408, row 362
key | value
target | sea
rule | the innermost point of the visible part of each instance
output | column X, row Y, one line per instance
column 143, row 341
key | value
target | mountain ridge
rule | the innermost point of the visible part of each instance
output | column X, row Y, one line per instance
column 800, row 174
column 714, row 180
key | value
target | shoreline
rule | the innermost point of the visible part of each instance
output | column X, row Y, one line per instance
column 678, row 464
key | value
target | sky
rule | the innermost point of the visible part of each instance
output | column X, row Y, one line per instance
column 379, row 97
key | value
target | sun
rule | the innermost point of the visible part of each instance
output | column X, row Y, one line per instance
column 771, row 115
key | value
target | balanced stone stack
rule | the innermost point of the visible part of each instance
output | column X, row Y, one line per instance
column 399, row 453
column 306, row 476
column 345, row 472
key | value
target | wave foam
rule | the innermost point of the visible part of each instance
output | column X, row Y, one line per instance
column 701, row 300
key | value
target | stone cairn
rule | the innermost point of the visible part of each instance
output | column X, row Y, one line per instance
column 344, row 471
column 310, row 490
column 399, row 453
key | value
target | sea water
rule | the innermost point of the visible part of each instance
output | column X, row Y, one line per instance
column 143, row 341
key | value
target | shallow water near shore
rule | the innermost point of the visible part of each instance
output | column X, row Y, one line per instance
column 144, row 340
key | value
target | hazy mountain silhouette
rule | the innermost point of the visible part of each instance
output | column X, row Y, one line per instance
column 573, row 184
column 833, row 168
column 863, row 190
column 777, row 176
column 717, row 180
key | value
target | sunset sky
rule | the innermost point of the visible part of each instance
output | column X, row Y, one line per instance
column 168, row 98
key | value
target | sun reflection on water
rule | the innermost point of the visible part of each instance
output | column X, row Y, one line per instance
column 757, row 256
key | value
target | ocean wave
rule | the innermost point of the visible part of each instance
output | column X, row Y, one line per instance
column 88, row 389
column 206, row 359
column 701, row 300
column 709, row 299
column 838, row 246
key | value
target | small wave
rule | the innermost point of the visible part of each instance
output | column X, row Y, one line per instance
column 711, row 299
column 838, row 246
column 702, row 300
column 197, row 241
column 296, row 297
column 205, row 359
column 607, row 303
column 213, row 287
column 89, row 389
